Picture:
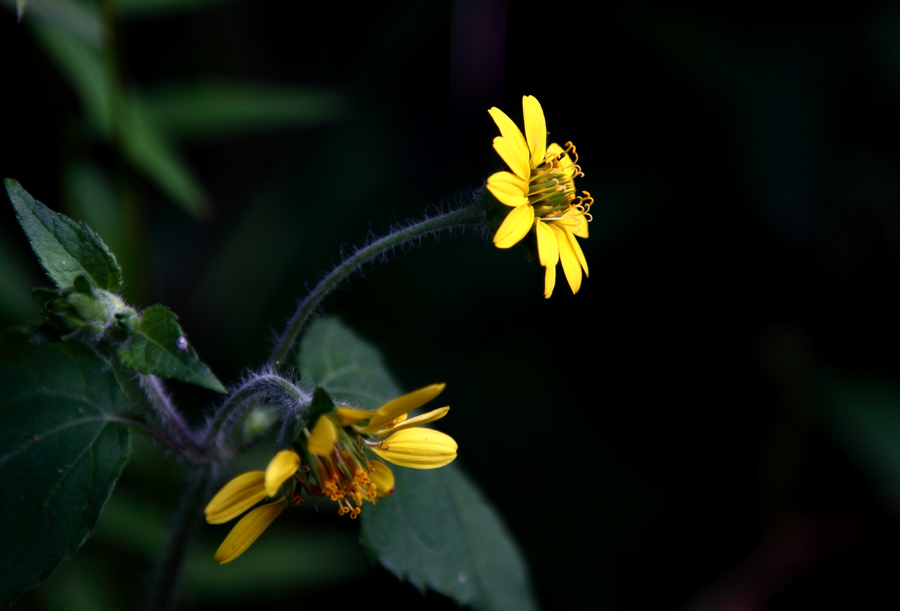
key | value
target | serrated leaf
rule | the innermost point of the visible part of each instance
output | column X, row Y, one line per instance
column 436, row 530
column 65, row 248
column 158, row 347
column 62, row 452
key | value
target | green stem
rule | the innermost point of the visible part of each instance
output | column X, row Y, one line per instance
column 168, row 574
column 469, row 216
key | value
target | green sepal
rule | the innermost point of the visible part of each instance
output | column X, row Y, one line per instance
column 62, row 448
column 66, row 249
column 158, row 347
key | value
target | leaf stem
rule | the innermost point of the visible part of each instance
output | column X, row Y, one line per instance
column 469, row 216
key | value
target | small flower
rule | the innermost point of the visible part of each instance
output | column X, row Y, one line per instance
column 541, row 192
column 338, row 462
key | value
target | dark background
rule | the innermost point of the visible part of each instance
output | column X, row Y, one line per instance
column 713, row 422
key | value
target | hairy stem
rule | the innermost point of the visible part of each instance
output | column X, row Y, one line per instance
column 469, row 216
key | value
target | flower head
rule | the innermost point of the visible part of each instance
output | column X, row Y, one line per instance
column 540, row 189
column 337, row 459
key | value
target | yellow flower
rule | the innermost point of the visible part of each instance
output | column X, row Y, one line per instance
column 541, row 192
column 336, row 465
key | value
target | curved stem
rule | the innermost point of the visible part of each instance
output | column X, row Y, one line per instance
column 472, row 215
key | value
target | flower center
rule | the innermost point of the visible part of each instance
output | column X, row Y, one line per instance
column 551, row 188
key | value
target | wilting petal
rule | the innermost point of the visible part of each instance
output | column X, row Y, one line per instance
column 513, row 156
column 383, row 478
column 435, row 414
column 236, row 497
column 247, row 530
column 281, row 468
column 569, row 260
column 321, row 440
column 418, row 449
column 509, row 189
column 535, row 129
column 393, row 409
column 509, row 130
column 514, row 227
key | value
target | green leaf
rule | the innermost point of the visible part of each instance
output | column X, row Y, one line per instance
column 437, row 530
column 158, row 347
column 20, row 8
column 66, row 249
column 223, row 109
column 62, row 452
column 338, row 360
column 863, row 415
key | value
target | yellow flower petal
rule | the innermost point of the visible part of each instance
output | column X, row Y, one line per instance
column 514, row 227
column 418, row 449
column 549, row 280
column 548, row 246
column 281, row 468
column 404, row 404
column 566, row 164
column 321, row 440
column 567, row 257
column 535, row 129
column 513, row 156
column 576, row 247
column 435, row 414
column 247, row 530
column 509, row 130
column 383, row 478
column 236, row 497
column 347, row 416
column 509, row 189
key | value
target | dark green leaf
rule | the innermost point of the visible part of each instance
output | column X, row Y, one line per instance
column 338, row 360
column 62, row 452
column 222, row 109
column 66, row 249
column 436, row 530
column 439, row 532
column 158, row 347
column 863, row 414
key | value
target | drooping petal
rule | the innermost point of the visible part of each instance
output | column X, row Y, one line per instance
column 247, row 530
column 281, row 468
column 404, row 404
column 514, row 227
column 513, row 156
column 435, row 414
column 383, row 478
column 548, row 247
column 236, row 497
column 535, row 129
column 418, row 449
column 549, row 280
column 509, row 189
column 508, row 129
column 321, row 440
column 576, row 247
column 569, row 260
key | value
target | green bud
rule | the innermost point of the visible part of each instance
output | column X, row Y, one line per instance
column 259, row 420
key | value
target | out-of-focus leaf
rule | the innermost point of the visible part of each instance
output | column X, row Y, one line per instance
column 66, row 249
column 140, row 9
column 216, row 109
column 121, row 119
column 158, row 347
column 863, row 414
column 78, row 18
column 62, row 452
column 436, row 530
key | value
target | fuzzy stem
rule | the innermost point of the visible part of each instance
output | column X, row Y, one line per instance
column 167, row 579
column 167, row 411
column 472, row 215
